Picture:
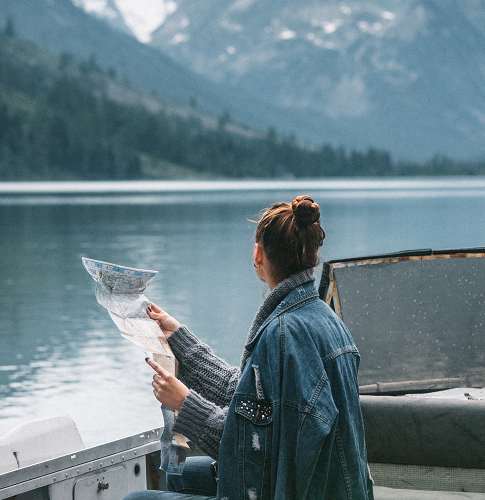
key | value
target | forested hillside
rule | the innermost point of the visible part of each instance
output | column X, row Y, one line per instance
column 62, row 119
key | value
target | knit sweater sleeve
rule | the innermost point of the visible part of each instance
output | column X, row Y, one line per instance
column 201, row 370
column 202, row 422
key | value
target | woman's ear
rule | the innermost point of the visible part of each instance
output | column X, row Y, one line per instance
column 264, row 269
column 258, row 254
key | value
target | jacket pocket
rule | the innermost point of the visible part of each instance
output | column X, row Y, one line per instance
column 255, row 428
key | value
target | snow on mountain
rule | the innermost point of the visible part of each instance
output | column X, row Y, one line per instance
column 140, row 17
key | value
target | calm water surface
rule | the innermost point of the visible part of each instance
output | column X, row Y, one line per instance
column 61, row 353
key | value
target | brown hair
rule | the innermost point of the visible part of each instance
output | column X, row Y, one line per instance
column 290, row 235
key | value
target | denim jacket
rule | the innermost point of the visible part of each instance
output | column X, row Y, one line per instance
column 294, row 428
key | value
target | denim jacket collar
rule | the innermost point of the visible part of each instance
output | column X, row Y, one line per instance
column 277, row 301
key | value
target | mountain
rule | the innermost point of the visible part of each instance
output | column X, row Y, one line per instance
column 60, row 119
column 61, row 27
column 407, row 76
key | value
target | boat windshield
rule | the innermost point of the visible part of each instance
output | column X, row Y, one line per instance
column 418, row 318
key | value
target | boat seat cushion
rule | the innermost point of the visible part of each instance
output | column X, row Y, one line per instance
column 424, row 431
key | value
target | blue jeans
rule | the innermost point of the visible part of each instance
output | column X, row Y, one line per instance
column 195, row 483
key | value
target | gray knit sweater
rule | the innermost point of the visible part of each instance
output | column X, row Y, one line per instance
column 212, row 382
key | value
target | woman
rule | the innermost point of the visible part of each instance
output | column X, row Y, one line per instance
column 287, row 423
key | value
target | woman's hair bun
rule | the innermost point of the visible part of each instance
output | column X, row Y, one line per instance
column 306, row 210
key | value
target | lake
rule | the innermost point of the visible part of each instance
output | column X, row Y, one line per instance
column 61, row 353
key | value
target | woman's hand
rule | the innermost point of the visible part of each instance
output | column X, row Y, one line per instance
column 167, row 388
column 166, row 323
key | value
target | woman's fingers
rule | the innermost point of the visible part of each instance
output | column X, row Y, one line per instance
column 155, row 308
column 167, row 388
column 166, row 323
column 155, row 366
column 155, row 313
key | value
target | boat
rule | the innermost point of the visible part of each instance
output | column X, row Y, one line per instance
column 418, row 319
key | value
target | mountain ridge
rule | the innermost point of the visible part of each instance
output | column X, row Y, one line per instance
column 375, row 87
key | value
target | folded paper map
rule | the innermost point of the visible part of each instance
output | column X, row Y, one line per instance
column 120, row 290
